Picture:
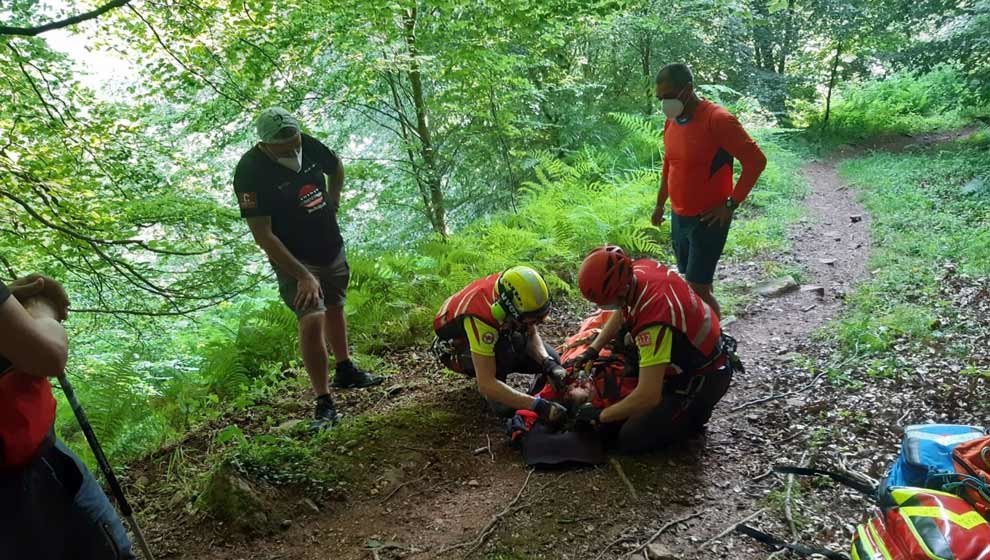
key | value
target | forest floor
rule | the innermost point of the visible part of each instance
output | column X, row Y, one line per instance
column 419, row 488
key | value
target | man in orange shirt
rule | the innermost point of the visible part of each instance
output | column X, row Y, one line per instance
column 701, row 140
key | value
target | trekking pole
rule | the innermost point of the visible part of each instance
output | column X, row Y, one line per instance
column 101, row 459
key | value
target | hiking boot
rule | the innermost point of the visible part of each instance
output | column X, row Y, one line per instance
column 325, row 416
column 349, row 376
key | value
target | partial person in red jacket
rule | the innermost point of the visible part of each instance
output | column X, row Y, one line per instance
column 701, row 140
column 488, row 330
column 685, row 362
column 51, row 507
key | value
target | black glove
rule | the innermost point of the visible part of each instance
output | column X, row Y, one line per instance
column 549, row 411
column 555, row 374
column 588, row 414
column 589, row 355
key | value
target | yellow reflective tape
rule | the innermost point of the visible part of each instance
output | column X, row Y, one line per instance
column 966, row 520
column 878, row 540
column 863, row 538
column 905, row 493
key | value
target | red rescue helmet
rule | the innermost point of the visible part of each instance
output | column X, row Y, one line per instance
column 605, row 273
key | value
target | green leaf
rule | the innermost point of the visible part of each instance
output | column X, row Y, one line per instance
column 229, row 434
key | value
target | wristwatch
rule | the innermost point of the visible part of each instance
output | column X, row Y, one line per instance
column 731, row 203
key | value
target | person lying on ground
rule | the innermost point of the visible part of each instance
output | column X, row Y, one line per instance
column 282, row 192
column 51, row 507
column 489, row 330
column 610, row 377
column 684, row 360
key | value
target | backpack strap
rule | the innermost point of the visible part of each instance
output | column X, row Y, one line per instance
column 778, row 544
column 844, row 479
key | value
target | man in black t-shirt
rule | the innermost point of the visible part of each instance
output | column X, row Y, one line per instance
column 281, row 189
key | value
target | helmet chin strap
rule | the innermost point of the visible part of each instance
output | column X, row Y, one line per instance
column 630, row 290
column 499, row 312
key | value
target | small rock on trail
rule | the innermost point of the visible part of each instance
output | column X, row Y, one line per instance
column 777, row 286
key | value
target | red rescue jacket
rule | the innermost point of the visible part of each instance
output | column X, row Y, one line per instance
column 476, row 299
column 27, row 413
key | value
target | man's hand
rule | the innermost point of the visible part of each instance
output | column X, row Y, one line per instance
column 720, row 215
column 41, row 307
column 308, row 292
column 555, row 374
column 549, row 411
column 659, row 215
column 587, row 414
column 589, row 355
column 40, row 286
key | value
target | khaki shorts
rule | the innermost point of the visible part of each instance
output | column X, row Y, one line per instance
column 333, row 279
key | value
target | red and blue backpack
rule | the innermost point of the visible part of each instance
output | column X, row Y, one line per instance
column 933, row 504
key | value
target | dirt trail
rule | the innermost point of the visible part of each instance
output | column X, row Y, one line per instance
column 447, row 496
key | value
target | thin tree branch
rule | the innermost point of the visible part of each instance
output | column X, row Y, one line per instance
column 488, row 529
column 93, row 240
column 730, row 529
column 185, row 66
column 37, row 30
column 176, row 312
column 10, row 269
column 34, row 86
column 660, row 531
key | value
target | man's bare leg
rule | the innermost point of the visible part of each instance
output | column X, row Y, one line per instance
column 347, row 375
column 314, row 352
column 336, row 332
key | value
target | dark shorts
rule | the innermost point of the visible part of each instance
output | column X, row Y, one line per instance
column 53, row 509
column 333, row 278
column 697, row 247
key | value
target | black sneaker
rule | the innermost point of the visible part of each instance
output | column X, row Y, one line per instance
column 325, row 416
column 348, row 376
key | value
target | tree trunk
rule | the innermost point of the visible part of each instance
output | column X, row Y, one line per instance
column 831, row 84
column 427, row 150
column 645, row 54
column 762, row 42
column 503, row 146
column 785, row 48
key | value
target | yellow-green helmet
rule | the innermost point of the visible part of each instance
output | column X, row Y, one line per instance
column 523, row 294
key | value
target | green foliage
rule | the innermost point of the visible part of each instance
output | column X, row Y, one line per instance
column 923, row 217
column 568, row 209
column 761, row 223
column 904, row 103
column 571, row 206
column 338, row 457
column 476, row 135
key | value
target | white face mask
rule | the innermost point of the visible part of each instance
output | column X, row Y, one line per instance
column 672, row 107
column 294, row 163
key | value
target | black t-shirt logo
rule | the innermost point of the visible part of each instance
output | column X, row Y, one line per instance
column 311, row 198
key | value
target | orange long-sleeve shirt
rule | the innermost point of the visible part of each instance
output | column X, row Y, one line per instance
column 698, row 156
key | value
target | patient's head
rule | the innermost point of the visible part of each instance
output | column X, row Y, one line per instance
column 577, row 394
